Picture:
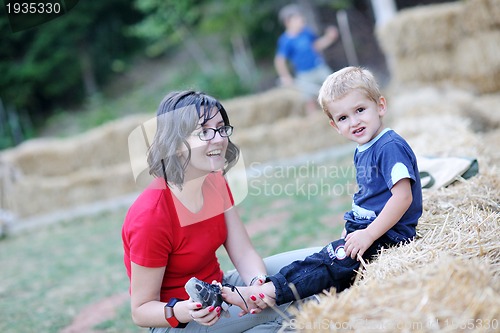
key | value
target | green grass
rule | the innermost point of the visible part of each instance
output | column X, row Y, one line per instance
column 313, row 217
column 49, row 275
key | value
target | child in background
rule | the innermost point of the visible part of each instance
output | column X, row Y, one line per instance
column 385, row 210
column 300, row 46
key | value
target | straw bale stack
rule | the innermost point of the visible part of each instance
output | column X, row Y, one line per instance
column 264, row 108
column 45, row 175
column 38, row 195
column 445, row 280
column 286, row 138
column 454, row 43
column 97, row 148
column 476, row 61
column 422, row 29
column 479, row 15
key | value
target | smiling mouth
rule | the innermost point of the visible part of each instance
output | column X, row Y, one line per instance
column 216, row 152
column 359, row 130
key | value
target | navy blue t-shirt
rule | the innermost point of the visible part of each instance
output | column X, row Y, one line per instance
column 380, row 164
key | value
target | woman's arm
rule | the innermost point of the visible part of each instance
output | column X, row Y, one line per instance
column 243, row 255
column 146, row 308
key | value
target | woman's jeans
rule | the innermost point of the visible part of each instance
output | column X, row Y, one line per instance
column 264, row 322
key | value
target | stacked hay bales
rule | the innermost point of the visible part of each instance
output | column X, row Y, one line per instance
column 264, row 108
column 288, row 137
column 47, row 175
column 448, row 279
column 454, row 43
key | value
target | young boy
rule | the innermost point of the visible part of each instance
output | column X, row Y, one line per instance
column 299, row 46
column 385, row 209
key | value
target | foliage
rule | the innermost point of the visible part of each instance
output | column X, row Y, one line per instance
column 166, row 23
column 60, row 64
column 43, row 67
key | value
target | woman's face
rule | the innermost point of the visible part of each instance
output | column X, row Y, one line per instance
column 206, row 156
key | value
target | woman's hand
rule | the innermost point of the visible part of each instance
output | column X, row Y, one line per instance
column 207, row 316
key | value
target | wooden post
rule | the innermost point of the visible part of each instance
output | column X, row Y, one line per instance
column 383, row 10
column 346, row 36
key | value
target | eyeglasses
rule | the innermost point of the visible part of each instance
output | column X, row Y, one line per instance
column 208, row 133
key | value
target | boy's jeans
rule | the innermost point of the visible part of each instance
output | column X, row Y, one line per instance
column 322, row 270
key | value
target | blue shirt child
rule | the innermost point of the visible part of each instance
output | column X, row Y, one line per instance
column 381, row 163
column 299, row 50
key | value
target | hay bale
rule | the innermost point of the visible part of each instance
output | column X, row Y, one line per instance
column 476, row 61
column 440, row 282
column 40, row 195
column 444, row 296
column 479, row 15
column 439, row 135
column 430, row 66
column 264, row 108
column 429, row 100
column 421, row 29
column 286, row 138
column 485, row 118
column 103, row 146
column 454, row 43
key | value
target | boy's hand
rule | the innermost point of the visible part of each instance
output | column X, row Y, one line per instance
column 332, row 33
column 358, row 242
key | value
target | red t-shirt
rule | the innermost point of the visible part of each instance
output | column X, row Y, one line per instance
column 159, row 231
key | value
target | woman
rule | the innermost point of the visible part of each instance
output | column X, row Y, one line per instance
column 173, row 229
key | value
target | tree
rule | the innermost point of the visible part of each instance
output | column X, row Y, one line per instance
column 170, row 23
column 62, row 61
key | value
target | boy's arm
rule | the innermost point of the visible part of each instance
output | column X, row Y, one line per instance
column 282, row 68
column 359, row 241
column 330, row 36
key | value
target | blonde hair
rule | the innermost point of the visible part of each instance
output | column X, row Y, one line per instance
column 343, row 81
column 288, row 11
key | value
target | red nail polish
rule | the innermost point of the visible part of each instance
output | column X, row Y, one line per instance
column 198, row 305
column 218, row 309
column 253, row 298
column 211, row 308
column 252, row 311
column 261, row 295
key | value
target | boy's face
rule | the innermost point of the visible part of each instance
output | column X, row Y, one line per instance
column 295, row 23
column 357, row 117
